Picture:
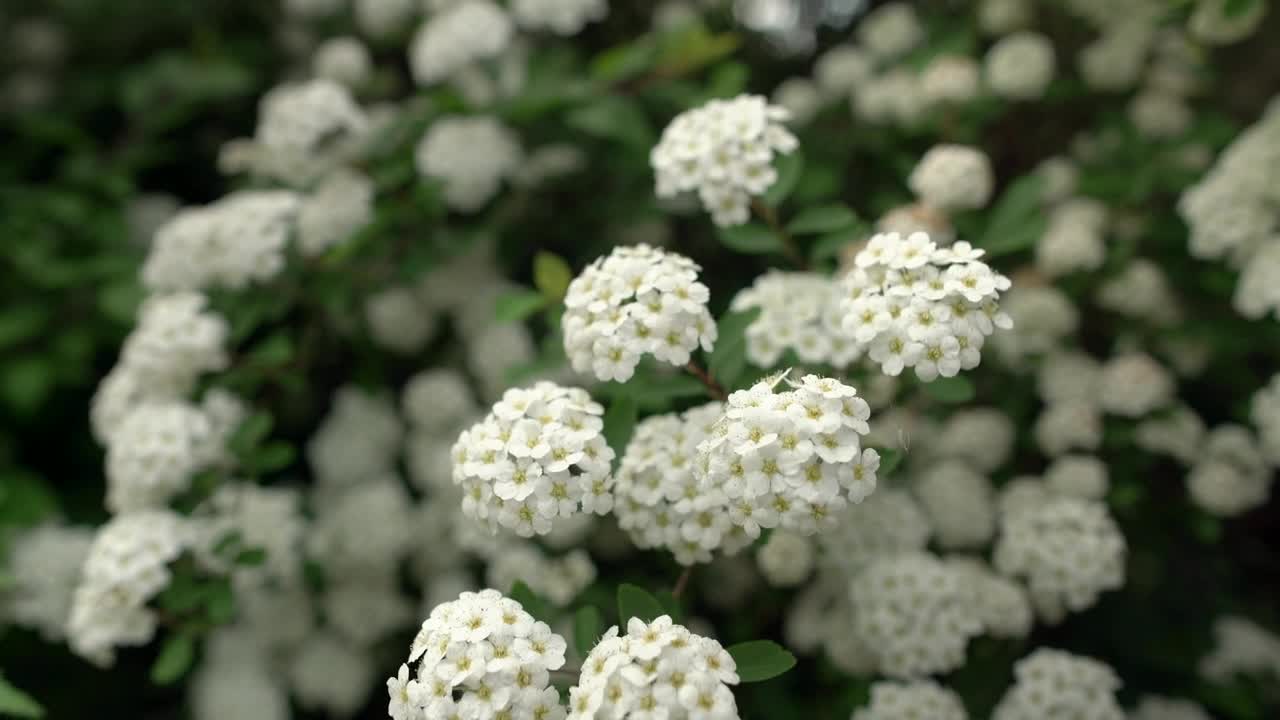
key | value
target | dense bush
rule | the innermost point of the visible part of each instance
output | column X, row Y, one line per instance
column 917, row 360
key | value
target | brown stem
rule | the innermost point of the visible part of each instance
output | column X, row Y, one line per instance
column 789, row 247
column 682, row 582
column 713, row 387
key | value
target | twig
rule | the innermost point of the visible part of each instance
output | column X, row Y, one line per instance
column 789, row 247
column 682, row 582
column 713, row 387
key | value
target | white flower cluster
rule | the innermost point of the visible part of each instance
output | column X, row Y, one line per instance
column 888, row 522
column 266, row 518
column 471, row 156
column 177, row 339
column 1230, row 475
column 724, row 151
column 953, row 177
column 1154, row 707
column 982, row 437
column 1241, row 647
column 1001, row 604
column 304, row 130
column 659, row 499
column 890, row 30
column 334, row 211
column 1215, row 22
column 1054, row 685
column 1265, row 414
column 396, row 320
column 155, row 452
column 638, row 300
column 1074, row 238
column 343, row 60
column 480, row 656
column 913, row 304
column 231, row 243
column 329, row 675
column 456, row 38
column 959, row 503
column 950, row 80
column 357, row 440
column 1234, row 212
column 563, row 17
column 786, row 559
column 919, row 699
column 44, row 567
column 125, row 567
column 1178, row 433
column 914, row 613
column 658, row 669
column 1134, row 384
column 1020, row 66
column 1067, row 550
column 1141, row 291
column 558, row 579
column 790, row 459
column 800, row 312
column 538, row 455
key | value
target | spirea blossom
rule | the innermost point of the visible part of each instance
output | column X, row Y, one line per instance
column 1002, row 605
column 888, row 522
column 471, row 156
column 563, row 17
column 334, row 211
column 1134, row 384
column 154, row 454
column 659, row 499
column 724, row 151
column 838, row 72
column 914, row 614
column 890, row 30
column 1213, row 21
column 126, row 566
column 1055, row 685
column 1155, row 707
column 44, row 568
column 344, row 60
column 786, row 558
column 304, row 129
column 913, row 304
column 953, row 177
column 790, row 459
column 950, row 80
column 1019, row 66
column 1067, row 550
column 917, row 699
column 799, row 312
column 483, row 656
column 177, row 338
column 1241, row 647
column 657, row 669
column 637, row 300
column 959, row 503
column 538, row 455
column 1230, row 475
column 457, row 37
column 1265, row 414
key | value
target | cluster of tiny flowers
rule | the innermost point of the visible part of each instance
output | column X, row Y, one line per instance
column 341, row 205
column 396, row 320
column 953, row 177
column 558, row 579
column 982, row 437
column 1054, row 685
column 356, row 441
column 888, row 522
column 1230, row 475
column 1134, row 384
column 44, row 568
column 724, row 151
column 890, row 30
column 154, row 453
column 913, row 304
column 126, row 565
column 538, row 455
column 799, row 312
column 659, row 500
column 458, row 37
column 471, row 156
column 177, row 338
column 959, row 503
column 1067, row 550
column 1154, row 707
column 1073, row 240
column 914, row 613
column 1241, row 647
column 563, row 17
column 790, row 459
column 637, row 300
column 481, row 656
column 786, row 559
column 950, row 79
column 303, row 131
column 1020, row 66
column 1265, row 414
column 657, row 669
column 1002, row 605
column 919, row 699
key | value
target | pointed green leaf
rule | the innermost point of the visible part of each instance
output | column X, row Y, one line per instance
column 761, row 660
column 620, row 422
column 1017, row 220
column 518, row 305
column 531, row 602
column 752, row 238
column 789, row 167
column 17, row 703
column 729, row 356
column 671, row 605
column 174, row 660
column 587, row 625
column 822, row 219
column 551, row 275
column 635, row 601
column 951, row 390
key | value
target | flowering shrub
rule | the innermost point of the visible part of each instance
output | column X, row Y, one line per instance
column 580, row 328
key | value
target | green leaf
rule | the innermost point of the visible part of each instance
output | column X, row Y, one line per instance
column 761, row 660
column 19, row 323
column 252, row 557
column 272, row 457
column 174, row 660
column 551, row 275
column 624, row 61
column 831, row 245
column 518, row 305
column 671, row 605
column 613, row 117
column 890, row 459
column 220, row 601
column 531, row 602
column 1236, row 8
column 729, row 356
column 1017, row 221
column 728, row 80
column 251, row 432
column 635, row 601
column 752, row 238
column 17, row 703
column 620, row 422
column 587, row 625
column 822, row 219
column 789, row 167
column 951, row 390
column 25, row 382
column 274, row 351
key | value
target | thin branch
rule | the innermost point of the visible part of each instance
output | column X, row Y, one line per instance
column 713, row 387
column 682, row 582
column 789, row 247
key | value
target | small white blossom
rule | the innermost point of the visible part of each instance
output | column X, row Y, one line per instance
column 456, row 38
column 471, row 156
column 952, row 177
column 917, row 699
column 1054, row 685
column 1020, row 65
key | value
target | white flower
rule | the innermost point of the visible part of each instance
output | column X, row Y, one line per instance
column 357, row 440
column 950, row 79
column 1155, row 707
column 304, row 130
column 1241, row 647
column 458, row 37
column 44, row 565
column 959, row 504
column 330, row 675
column 1054, row 684
column 788, row 459
column 1134, row 385
column 890, row 30
column 786, row 559
column 917, row 699
column 1230, row 475
column 471, row 156
column 1214, row 24
column 551, row 428
column 398, row 321
column 657, row 669
column 154, row 454
column 952, row 177
column 563, row 17
column 636, row 301
column 798, row 312
column 723, row 151
column 1020, row 65
column 912, row 304
column 839, row 71
column 1082, row 476
column 334, row 211
column 344, row 60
